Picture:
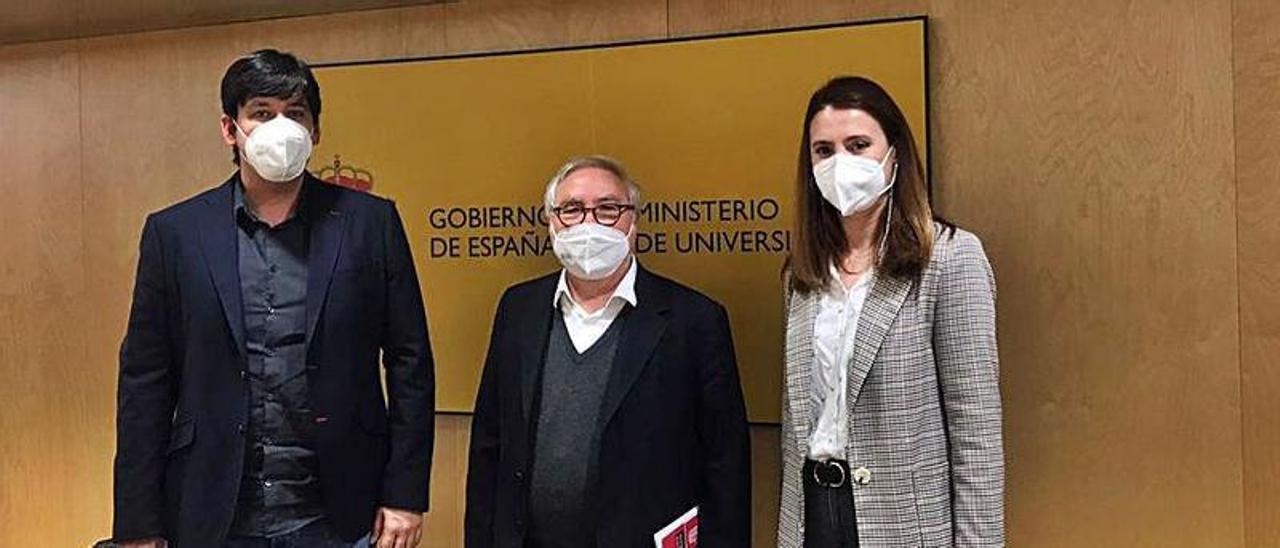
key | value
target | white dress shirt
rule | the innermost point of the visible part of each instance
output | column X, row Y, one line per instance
column 585, row 328
column 834, row 331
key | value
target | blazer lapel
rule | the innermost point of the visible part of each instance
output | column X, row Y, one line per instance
column 533, row 346
column 326, row 238
column 881, row 307
column 220, row 247
column 801, row 311
column 640, row 335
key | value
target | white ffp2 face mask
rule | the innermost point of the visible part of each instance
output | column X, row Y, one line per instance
column 591, row 251
column 853, row 183
column 277, row 149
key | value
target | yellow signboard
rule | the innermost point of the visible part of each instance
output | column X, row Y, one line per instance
column 710, row 127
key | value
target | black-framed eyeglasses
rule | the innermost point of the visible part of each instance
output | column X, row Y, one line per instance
column 605, row 214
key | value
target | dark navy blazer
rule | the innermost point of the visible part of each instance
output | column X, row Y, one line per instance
column 183, row 398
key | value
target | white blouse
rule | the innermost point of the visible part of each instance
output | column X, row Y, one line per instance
column 834, row 330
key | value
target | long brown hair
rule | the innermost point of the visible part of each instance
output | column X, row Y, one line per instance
column 819, row 238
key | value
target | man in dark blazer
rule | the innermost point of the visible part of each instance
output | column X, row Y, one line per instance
column 610, row 402
column 250, row 405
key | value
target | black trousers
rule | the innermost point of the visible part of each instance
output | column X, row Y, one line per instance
column 828, row 506
column 316, row 535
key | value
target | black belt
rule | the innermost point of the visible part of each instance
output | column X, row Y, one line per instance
column 827, row 473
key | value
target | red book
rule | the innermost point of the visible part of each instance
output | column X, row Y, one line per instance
column 681, row 533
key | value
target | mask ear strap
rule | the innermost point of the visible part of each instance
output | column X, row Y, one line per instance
column 891, row 151
column 893, row 178
column 888, row 222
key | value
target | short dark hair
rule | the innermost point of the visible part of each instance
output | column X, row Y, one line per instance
column 268, row 73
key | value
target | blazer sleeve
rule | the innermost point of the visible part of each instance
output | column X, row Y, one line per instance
column 410, row 372
column 145, row 396
column 724, row 516
column 486, row 436
column 968, row 369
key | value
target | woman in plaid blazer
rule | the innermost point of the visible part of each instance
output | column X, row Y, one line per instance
column 891, row 426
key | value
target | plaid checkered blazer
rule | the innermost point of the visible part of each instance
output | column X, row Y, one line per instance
column 923, row 406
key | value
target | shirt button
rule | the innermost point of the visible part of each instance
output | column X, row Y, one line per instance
column 272, row 269
column 240, row 428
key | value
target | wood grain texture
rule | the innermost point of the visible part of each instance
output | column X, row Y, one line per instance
column 1257, row 74
column 66, row 19
column 443, row 524
column 50, row 447
column 423, row 31
column 695, row 17
column 54, row 447
column 766, row 484
column 499, row 25
column 1090, row 146
column 39, row 110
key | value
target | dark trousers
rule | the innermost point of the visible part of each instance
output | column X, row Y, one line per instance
column 316, row 535
column 828, row 506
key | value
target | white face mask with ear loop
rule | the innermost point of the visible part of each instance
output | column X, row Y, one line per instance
column 591, row 251
column 277, row 149
column 853, row 183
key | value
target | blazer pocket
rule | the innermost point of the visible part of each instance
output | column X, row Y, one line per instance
column 932, row 486
column 181, row 435
column 371, row 267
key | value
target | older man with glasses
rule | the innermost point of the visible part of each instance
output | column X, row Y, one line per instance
column 610, row 403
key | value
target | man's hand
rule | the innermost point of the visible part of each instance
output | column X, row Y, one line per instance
column 394, row 528
column 143, row 543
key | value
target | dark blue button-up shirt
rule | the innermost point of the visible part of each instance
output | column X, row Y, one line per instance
column 279, row 491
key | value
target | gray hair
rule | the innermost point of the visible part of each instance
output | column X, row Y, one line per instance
column 597, row 161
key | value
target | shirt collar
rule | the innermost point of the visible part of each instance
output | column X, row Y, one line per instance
column 244, row 212
column 626, row 290
column 837, row 289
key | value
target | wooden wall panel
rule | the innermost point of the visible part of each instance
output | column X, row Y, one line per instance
column 50, row 448
column 443, row 524
column 39, row 110
column 489, row 25
column 766, row 484
column 693, row 17
column 67, row 19
column 423, row 31
column 1257, row 114
column 1090, row 146
column 54, row 452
